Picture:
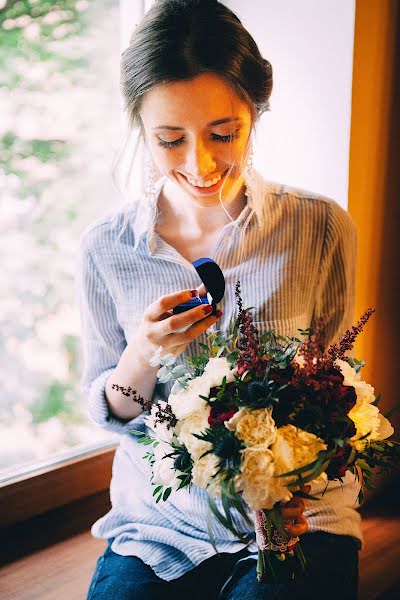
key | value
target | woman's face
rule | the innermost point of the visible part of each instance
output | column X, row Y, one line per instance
column 195, row 131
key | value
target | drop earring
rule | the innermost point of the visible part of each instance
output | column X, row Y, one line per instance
column 150, row 180
column 249, row 170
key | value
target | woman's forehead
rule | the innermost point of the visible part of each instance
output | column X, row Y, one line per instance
column 205, row 98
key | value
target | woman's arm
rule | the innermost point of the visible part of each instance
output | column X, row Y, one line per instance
column 133, row 370
column 108, row 359
column 104, row 347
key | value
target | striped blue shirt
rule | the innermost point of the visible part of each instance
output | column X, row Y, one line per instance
column 295, row 257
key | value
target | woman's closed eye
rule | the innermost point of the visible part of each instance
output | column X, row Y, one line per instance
column 214, row 137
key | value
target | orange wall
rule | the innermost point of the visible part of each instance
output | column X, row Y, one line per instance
column 374, row 191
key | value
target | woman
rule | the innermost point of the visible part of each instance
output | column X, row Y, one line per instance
column 195, row 84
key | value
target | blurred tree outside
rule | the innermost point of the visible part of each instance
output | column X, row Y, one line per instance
column 59, row 133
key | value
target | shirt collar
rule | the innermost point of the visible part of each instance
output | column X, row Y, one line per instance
column 145, row 218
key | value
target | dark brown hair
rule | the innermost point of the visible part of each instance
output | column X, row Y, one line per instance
column 179, row 39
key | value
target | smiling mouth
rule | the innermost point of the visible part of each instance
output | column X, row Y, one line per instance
column 206, row 186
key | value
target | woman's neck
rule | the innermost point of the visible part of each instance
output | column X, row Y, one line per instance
column 178, row 210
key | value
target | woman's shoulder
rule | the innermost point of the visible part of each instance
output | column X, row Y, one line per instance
column 314, row 205
column 114, row 225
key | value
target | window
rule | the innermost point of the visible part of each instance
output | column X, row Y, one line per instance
column 59, row 138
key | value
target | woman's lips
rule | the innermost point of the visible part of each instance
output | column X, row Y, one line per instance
column 205, row 190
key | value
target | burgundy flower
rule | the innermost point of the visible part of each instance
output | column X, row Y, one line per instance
column 220, row 412
column 243, row 366
column 338, row 465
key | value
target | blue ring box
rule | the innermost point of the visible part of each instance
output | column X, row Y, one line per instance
column 214, row 281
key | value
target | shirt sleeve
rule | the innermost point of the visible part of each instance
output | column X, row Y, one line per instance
column 103, row 342
column 335, row 294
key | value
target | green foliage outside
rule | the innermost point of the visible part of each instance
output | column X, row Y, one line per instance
column 59, row 131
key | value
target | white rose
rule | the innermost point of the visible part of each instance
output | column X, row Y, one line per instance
column 196, row 423
column 365, row 391
column 349, row 373
column 218, row 368
column 187, row 401
column 163, row 468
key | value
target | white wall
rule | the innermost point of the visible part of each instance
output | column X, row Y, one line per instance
column 304, row 140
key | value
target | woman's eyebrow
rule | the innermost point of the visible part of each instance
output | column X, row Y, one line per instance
column 212, row 124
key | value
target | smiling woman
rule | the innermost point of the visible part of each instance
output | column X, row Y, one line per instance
column 203, row 149
column 195, row 85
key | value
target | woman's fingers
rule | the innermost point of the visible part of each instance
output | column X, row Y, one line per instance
column 182, row 320
column 202, row 290
column 294, row 502
column 167, row 302
column 195, row 330
column 293, row 511
column 299, row 527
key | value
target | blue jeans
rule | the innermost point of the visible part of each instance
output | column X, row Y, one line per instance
column 332, row 573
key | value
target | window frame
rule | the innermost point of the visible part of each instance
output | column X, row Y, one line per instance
column 48, row 488
column 84, row 474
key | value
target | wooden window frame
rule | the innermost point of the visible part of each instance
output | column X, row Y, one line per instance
column 55, row 485
column 54, row 502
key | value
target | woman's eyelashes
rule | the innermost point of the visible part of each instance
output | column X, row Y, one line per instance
column 214, row 137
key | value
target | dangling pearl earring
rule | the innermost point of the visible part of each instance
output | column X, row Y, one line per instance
column 249, row 169
column 150, row 180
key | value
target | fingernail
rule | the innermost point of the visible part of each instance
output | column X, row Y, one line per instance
column 218, row 313
column 193, row 293
column 207, row 309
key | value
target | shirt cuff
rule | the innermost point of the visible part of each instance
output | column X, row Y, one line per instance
column 99, row 411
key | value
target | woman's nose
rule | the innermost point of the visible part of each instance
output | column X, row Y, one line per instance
column 200, row 161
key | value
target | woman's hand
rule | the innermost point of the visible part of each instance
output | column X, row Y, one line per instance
column 160, row 327
column 292, row 512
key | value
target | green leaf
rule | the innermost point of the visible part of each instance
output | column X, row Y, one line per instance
column 392, row 411
column 377, row 400
column 135, row 432
column 157, row 489
column 227, row 508
column 224, row 521
column 178, row 371
column 363, row 465
column 166, row 494
column 306, row 496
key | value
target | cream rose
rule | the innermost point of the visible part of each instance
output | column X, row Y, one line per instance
column 203, row 470
column 367, row 420
column 256, row 428
column 365, row 416
column 257, row 482
column 295, row 448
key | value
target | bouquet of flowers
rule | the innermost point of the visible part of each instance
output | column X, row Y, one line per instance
column 254, row 419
